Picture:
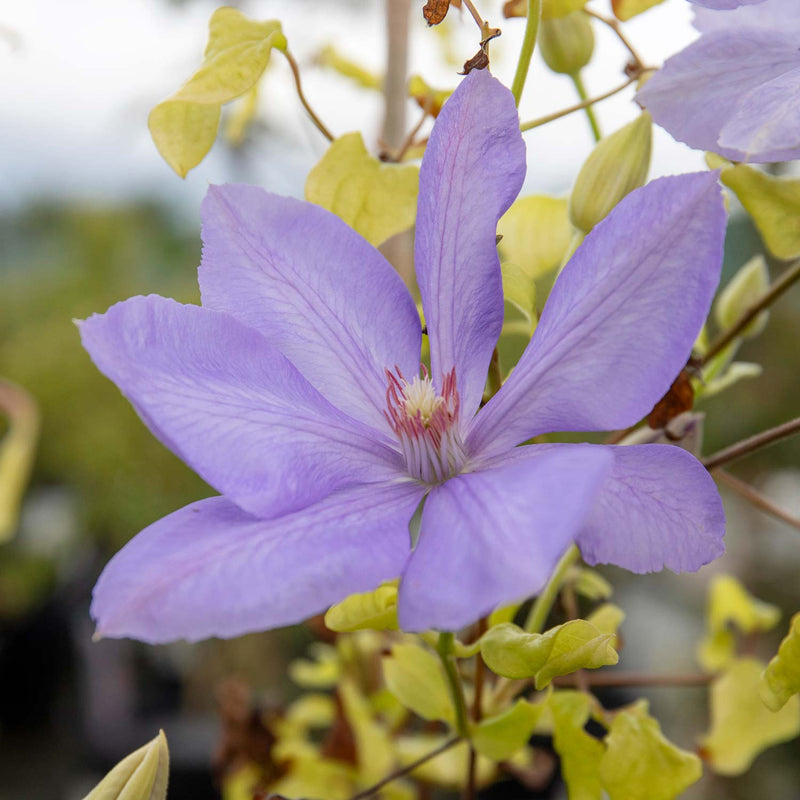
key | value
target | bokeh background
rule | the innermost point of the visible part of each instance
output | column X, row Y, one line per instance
column 90, row 214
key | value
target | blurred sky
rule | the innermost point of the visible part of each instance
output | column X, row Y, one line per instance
column 79, row 78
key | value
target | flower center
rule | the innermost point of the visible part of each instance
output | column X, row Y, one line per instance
column 426, row 424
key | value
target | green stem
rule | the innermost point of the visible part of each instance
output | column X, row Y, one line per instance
column 590, row 115
column 544, row 602
column 445, row 650
column 528, row 45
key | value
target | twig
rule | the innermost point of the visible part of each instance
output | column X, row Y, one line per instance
column 622, row 679
column 405, row 770
column 527, row 126
column 786, row 280
column 747, row 446
column 297, row 82
column 409, row 140
column 758, row 499
column 475, row 15
column 477, row 711
column 617, row 28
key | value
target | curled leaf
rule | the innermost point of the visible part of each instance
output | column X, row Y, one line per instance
column 741, row 725
column 781, row 678
column 142, row 775
column 184, row 126
column 511, row 652
column 376, row 610
column 376, row 200
column 640, row 763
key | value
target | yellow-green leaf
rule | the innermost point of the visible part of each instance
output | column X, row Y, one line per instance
column 519, row 288
column 737, row 371
column 241, row 118
column 511, row 652
column 416, row 678
column 499, row 737
column 330, row 57
column 536, row 234
column 781, row 678
column 580, row 752
column 591, row 584
column 185, row 125
column 312, row 776
column 322, row 671
column 426, row 96
column 377, row 200
column 376, row 610
column 772, row 202
column 17, row 450
column 742, row 727
column 640, row 763
column 142, row 775
column 746, row 288
column 503, row 614
column 625, row 9
column 729, row 604
column 449, row 768
column 607, row 618
column 373, row 743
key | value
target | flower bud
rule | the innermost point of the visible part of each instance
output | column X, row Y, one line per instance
column 747, row 287
column 566, row 43
column 142, row 775
column 617, row 165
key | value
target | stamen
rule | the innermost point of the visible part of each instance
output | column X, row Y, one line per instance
column 426, row 424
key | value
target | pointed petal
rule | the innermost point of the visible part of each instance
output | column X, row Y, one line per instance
column 695, row 94
column 766, row 124
column 658, row 508
column 473, row 169
column 327, row 299
column 212, row 570
column 492, row 537
column 231, row 406
column 621, row 319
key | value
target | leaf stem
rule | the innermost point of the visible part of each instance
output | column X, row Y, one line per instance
column 753, row 443
column 536, row 123
column 445, row 650
column 617, row 28
column 789, row 277
column 543, row 604
column 534, row 15
column 590, row 115
column 399, row 773
column 298, row 84
column 756, row 498
column 475, row 15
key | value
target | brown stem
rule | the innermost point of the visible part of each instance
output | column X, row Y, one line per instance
column 786, row 280
column 398, row 773
column 527, row 126
column 758, row 499
column 617, row 28
column 409, row 140
column 747, row 446
column 623, row 679
column 297, row 82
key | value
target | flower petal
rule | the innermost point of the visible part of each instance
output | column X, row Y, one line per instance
column 722, row 5
column 658, row 508
column 766, row 124
column 212, row 570
column 327, row 299
column 492, row 537
column 697, row 91
column 231, row 406
column 473, row 169
column 780, row 15
column 621, row 319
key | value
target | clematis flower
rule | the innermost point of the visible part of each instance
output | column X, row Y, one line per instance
column 735, row 90
column 722, row 5
column 296, row 392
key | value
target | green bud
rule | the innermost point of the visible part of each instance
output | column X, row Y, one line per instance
column 566, row 43
column 617, row 165
column 140, row 776
column 747, row 287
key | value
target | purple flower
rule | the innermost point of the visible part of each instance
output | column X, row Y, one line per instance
column 295, row 391
column 736, row 90
column 721, row 5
